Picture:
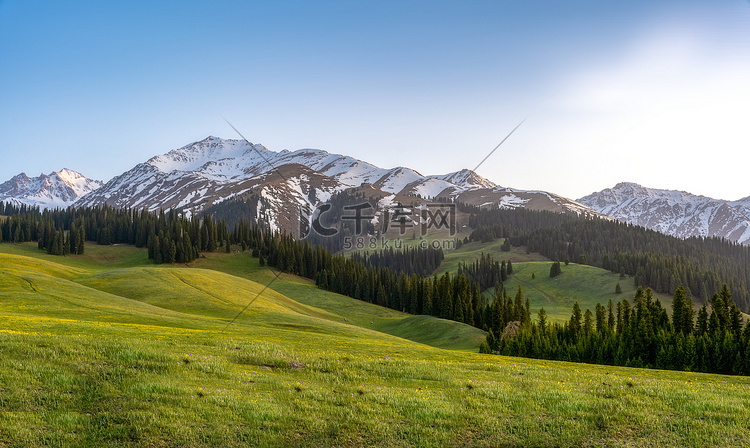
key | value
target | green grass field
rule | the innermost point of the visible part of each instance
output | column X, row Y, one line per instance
column 471, row 251
column 107, row 349
column 587, row 285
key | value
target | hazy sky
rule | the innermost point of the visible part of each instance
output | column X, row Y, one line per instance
column 654, row 92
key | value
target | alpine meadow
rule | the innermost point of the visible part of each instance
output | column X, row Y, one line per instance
column 103, row 346
column 434, row 224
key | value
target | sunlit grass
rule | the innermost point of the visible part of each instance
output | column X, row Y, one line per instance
column 138, row 356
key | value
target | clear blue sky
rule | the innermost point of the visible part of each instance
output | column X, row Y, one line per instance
column 655, row 92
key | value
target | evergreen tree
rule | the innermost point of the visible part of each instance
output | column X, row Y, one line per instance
column 81, row 241
column 542, row 320
column 702, row 322
column 555, row 270
column 601, row 319
column 681, row 311
column 575, row 321
column 588, row 324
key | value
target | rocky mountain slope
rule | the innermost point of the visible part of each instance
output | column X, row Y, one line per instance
column 213, row 170
column 57, row 189
column 676, row 213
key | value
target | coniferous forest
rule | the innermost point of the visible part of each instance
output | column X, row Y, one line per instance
column 407, row 260
column 640, row 334
column 486, row 271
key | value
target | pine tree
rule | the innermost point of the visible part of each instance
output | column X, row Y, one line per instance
column 73, row 240
column 588, row 324
column 601, row 321
column 542, row 320
column 702, row 322
column 575, row 321
column 555, row 270
column 81, row 240
column 60, row 243
column 678, row 310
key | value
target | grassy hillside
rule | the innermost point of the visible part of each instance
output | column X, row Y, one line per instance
column 586, row 284
column 197, row 289
column 471, row 251
column 108, row 350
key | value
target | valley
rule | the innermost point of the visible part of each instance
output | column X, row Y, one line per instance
column 108, row 349
column 115, row 345
column 374, row 224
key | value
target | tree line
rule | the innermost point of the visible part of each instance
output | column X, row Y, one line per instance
column 169, row 237
column 9, row 209
column 641, row 334
column 410, row 260
column 486, row 271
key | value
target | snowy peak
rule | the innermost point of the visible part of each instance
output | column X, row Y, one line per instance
column 57, row 189
column 466, row 179
column 633, row 190
column 676, row 213
column 397, row 179
column 208, row 153
column 76, row 181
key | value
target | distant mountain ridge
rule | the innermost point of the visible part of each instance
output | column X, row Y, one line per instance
column 57, row 189
column 676, row 213
column 213, row 170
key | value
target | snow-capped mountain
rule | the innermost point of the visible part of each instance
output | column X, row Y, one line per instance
column 57, row 189
column 211, row 171
column 676, row 213
column 467, row 178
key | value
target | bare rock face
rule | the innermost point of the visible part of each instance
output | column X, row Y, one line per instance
column 675, row 213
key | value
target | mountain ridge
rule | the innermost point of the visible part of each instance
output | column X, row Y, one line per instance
column 209, row 171
column 56, row 189
column 677, row 213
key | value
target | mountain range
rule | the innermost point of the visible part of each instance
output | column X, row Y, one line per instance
column 287, row 184
column 214, row 170
column 57, row 189
column 676, row 213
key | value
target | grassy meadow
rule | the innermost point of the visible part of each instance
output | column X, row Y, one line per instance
column 107, row 349
column 469, row 252
column 588, row 285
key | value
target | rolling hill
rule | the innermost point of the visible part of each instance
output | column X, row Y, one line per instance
column 106, row 349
